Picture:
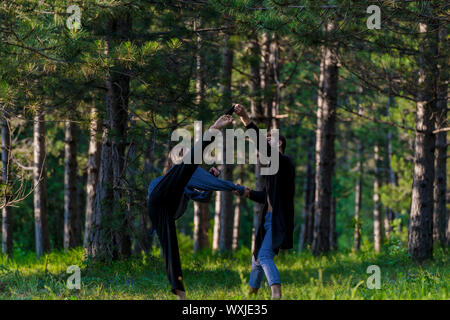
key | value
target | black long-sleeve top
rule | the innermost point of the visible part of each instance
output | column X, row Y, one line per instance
column 280, row 187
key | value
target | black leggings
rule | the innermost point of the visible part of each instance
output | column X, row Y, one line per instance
column 162, row 205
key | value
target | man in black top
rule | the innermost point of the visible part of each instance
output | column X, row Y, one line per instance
column 276, row 226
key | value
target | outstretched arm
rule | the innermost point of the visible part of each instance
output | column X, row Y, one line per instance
column 207, row 181
column 257, row 196
column 242, row 113
column 172, row 184
column 245, row 119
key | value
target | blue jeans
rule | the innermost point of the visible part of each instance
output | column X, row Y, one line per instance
column 264, row 265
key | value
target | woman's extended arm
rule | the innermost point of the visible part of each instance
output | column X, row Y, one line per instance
column 203, row 180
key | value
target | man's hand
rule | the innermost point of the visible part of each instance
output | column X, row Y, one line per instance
column 214, row 171
column 222, row 122
column 242, row 113
column 246, row 192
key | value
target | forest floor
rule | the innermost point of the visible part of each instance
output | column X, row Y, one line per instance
column 207, row 276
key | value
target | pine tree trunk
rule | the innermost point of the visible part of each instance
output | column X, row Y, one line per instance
column 358, row 197
column 311, row 212
column 237, row 212
column 325, row 156
column 201, row 210
column 236, row 223
column 40, row 184
column 7, row 218
column 391, row 174
column 420, row 236
column 377, row 233
column 216, row 230
column 226, row 214
column 146, row 240
column 119, row 90
column 72, row 234
column 201, row 225
column 102, row 202
column 333, row 232
column 257, row 113
column 387, row 223
column 266, row 76
column 92, row 171
column 110, row 238
column 275, row 73
column 440, row 153
column 308, row 210
column 131, row 171
column 388, row 176
column 199, row 72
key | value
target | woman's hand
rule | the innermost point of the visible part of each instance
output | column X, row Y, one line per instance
column 246, row 192
column 242, row 113
column 214, row 171
column 222, row 122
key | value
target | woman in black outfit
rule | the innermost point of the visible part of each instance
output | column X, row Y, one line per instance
column 163, row 203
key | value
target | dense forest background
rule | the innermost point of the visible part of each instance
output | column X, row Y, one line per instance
column 87, row 111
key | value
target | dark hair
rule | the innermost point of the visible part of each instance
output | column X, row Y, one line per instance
column 283, row 143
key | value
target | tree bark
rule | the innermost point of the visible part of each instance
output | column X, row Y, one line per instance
column 420, row 236
column 102, row 204
column 7, row 218
column 226, row 215
column 144, row 220
column 387, row 223
column 325, row 156
column 391, row 215
column 72, row 233
column 236, row 223
column 358, row 197
column 199, row 72
column 266, row 76
column 333, row 232
column 201, row 225
column 308, row 210
column 275, row 73
column 440, row 162
column 92, row 171
column 237, row 212
column 377, row 233
column 216, row 230
column 40, row 184
column 110, row 237
column 130, row 185
column 201, row 210
column 256, row 110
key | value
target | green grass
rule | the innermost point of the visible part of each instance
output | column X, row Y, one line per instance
column 207, row 276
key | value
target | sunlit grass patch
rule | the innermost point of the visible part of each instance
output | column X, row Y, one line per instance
column 225, row 276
